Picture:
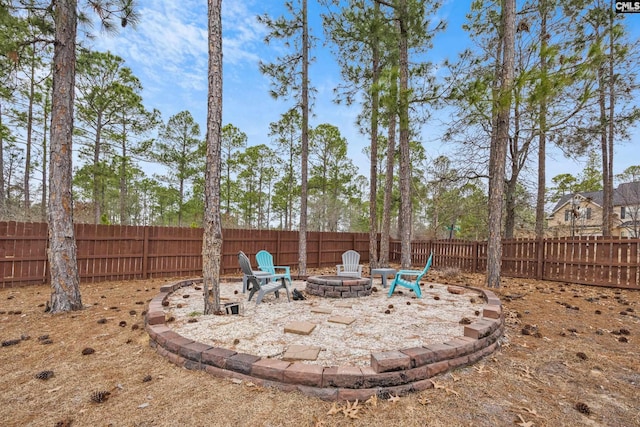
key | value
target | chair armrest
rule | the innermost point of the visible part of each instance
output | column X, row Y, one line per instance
column 409, row 272
column 286, row 268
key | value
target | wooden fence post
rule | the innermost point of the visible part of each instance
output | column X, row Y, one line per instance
column 540, row 258
column 476, row 255
column 145, row 253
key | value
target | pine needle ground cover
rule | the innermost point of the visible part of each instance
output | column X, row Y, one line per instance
column 569, row 357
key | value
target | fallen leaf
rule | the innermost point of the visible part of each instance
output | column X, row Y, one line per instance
column 437, row 385
column 144, row 405
column 334, row 409
column 531, row 411
column 482, row 369
column 454, row 378
column 423, row 401
column 524, row 423
column 451, row 391
column 53, row 390
column 351, row 411
column 372, row 401
column 394, row 399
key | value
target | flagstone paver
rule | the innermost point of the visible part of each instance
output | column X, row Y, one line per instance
column 300, row 328
column 301, row 352
column 344, row 320
column 321, row 310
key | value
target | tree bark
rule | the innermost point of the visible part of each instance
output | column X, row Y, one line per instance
column 3, row 194
column 373, row 172
column 212, row 238
column 499, row 147
column 405, row 155
column 608, row 193
column 45, row 109
column 27, row 159
column 388, row 190
column 65, row 281
column 302, row 238
column 542, row 121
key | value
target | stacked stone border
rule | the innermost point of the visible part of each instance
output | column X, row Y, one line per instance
column 333, row 287
column 394, row 372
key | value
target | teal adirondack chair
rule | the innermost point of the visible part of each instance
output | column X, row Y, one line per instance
column 413, row 284
column 265, row 263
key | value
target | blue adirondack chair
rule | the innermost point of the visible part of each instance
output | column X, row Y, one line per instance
column 414, row 284
column 265, row 263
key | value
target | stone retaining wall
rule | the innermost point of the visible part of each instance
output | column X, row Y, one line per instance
column 394, row 372
column 338, row 287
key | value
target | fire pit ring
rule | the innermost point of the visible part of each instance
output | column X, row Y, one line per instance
column 338, row 286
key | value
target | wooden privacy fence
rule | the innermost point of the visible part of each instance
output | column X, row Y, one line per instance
column 116, row 252
column 137, row 252
column 585, row 260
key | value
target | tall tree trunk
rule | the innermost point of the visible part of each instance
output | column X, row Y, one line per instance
column 604, row 147
column 499, row 147
column 43, row 212
column 512, row 183
column 302, row 246
column 373, row 172
column 27, row 159
column 608, row 202
column 65, row 281
column 212, row 238
column 388, row 188
column 403, row 110
column 542, row 121
column 3, row 193
column 124, row 215
column 98, row 180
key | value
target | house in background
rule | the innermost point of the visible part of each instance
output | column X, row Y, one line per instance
column 580, row 214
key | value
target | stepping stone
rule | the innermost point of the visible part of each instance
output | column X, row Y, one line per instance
column 455, row 290
column 344, row 304
column 301, row 352
column 300, row 328
column 321, row 310
column 344, row 320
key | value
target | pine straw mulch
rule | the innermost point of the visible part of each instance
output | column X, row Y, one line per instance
column 570, row 357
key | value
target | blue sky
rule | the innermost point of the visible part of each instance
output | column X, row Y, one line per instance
column 168, row 53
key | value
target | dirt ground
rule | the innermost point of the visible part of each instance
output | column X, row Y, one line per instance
column 570, row 357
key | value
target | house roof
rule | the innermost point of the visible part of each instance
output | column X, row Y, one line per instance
column 626, row 194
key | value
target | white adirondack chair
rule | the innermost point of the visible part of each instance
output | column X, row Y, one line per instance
column 350, row 266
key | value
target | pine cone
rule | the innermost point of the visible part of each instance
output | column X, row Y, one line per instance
column 100, row 396
column 88, row 350
column 583, row 408
column 44, row 375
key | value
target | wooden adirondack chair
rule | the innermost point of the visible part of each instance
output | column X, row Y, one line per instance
column 260, row 284
column 265, row 263
column 413, row 284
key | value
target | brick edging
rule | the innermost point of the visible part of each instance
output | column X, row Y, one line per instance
column 395, row 372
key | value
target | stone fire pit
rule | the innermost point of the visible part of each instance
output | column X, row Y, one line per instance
column 338, row 286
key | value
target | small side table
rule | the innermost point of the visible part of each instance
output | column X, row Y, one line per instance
column 384, row 273
column 262, row 276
